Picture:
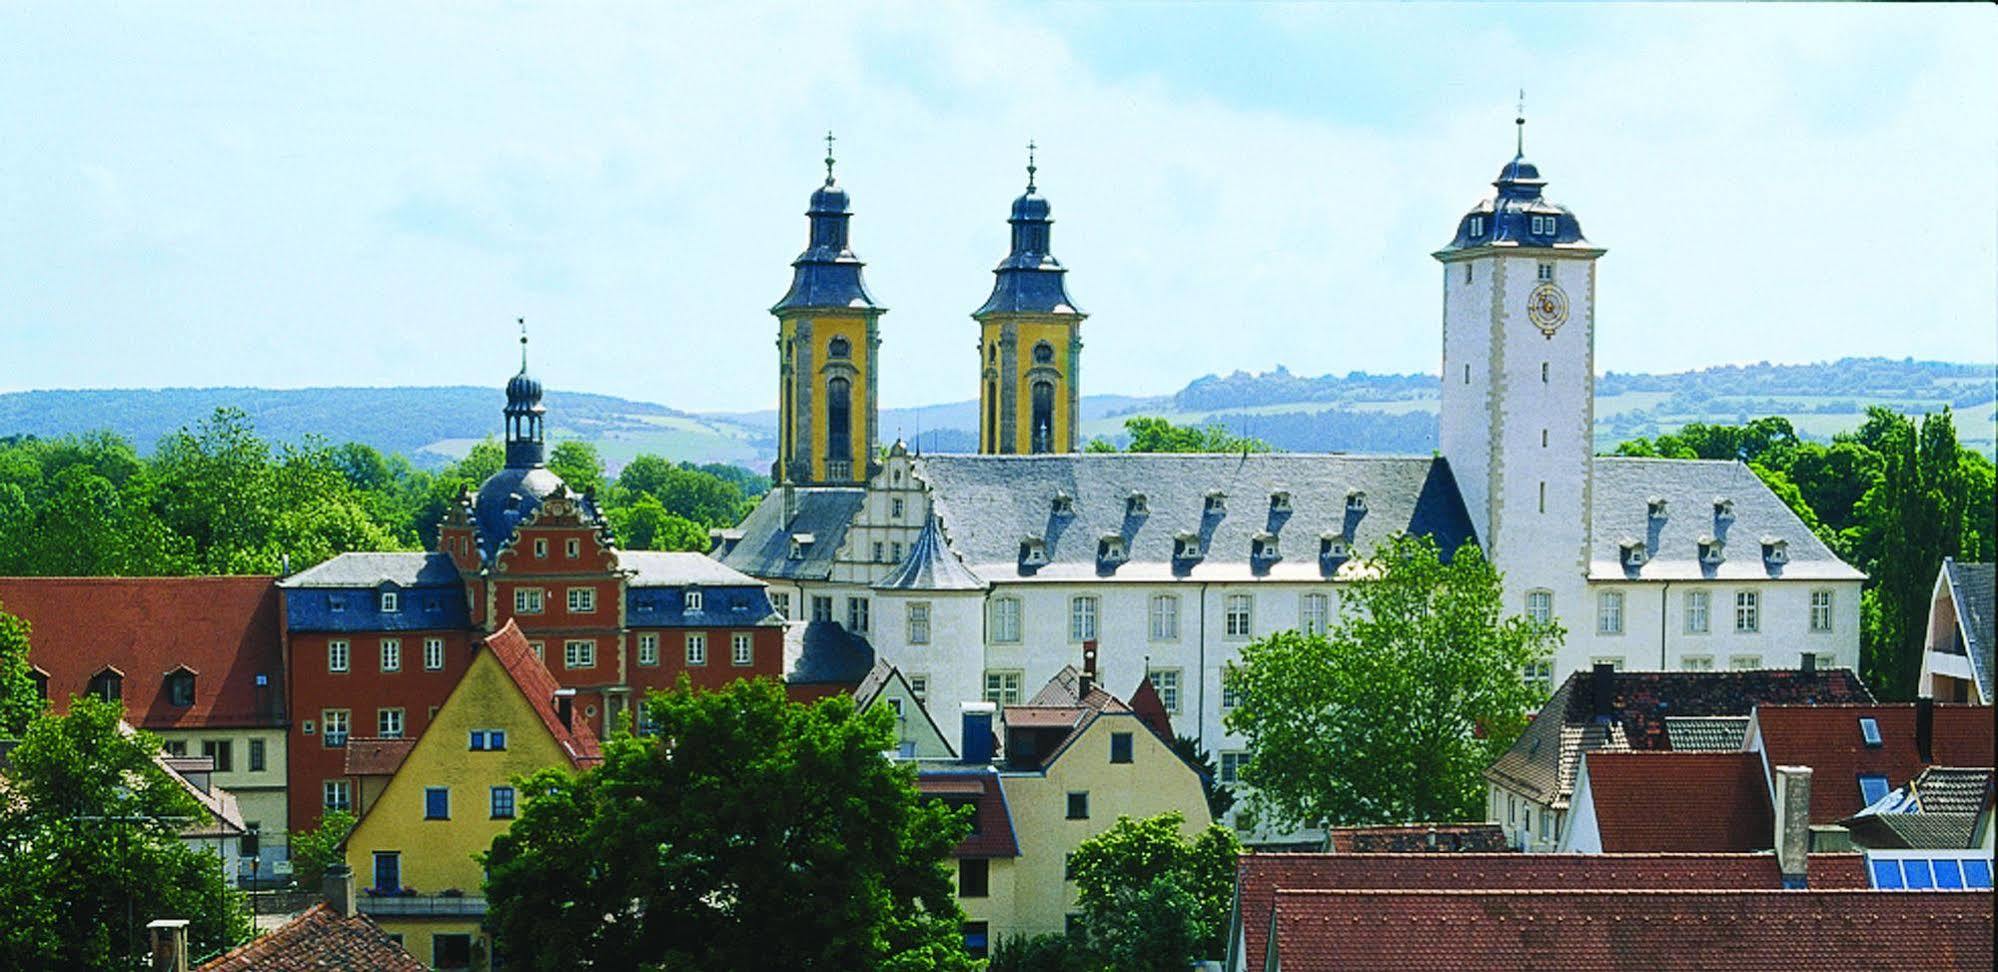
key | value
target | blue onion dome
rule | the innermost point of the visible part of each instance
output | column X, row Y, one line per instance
column 1030, row 280
column 1031, row 206
column 523, row 392
column 827, row 275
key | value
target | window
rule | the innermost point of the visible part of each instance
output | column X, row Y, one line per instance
column 919, row 686
column 336, row 656
column 388, row 871
column 1546, row 271
column 1042, row 395
column 335, row 795
column 1314, row 613
column 1747, row 611
column 433, row 654
column 648, row 649
column 895, row 507
column 1078, row 805
column 391, row 654
column 973, row 877
column 839, row 420
column 976, row 939
column 579, row 653
column 487, row 740
column 333, row 724
column 780, row 602
column 1609, row 613
column 108, row 685
column 839, row 347
column 1165, row 617
column 1006, row 620
column 436, row 803
column 180, row 688
column 857, row 615
column 1615, row 662
column 1821, row 611
column 1477, row 229
column 1744, row 663
column 388, row 723
column 391, row 603
column 1872, row 787
column 450, row 951
column 821, row 608
column 256, row 755
column 919, row 622
column 1543, row 494
column 336, row 603
column 1543, row 380
column 1698, row 604
column 693, row 600
column 1002, row 687
column 741, row 651
column 1231, row 766
column 1230, row 695
column 1166, row 682
column 1869, row 731
column 1539, row 674
column 1696, row 663
column 1544, row 226
column 540, row 548
column 1238, row 617
column 540, row 649
column 222, row 752
column 574, row 548
column 1540, row 606
column 697, row 648
column 1120, row 747
column 502, row 802
column 527, row 600
column 582, row 600
column 1082, row 617
column 880, row 552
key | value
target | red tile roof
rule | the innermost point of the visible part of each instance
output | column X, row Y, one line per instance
column 1679, row 803
column 511, row 649
column 225, row 629
column 369, row 756
column 1417, row 838
column 1826, row 738
column 993, row 832
column 1617, row 929
column 1151, row 709
column 319, row 940
column 1259, row 876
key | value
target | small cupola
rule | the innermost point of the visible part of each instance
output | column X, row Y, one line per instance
column 1216, row 503
column 801, row 544
column 1110, row 550
column 1062, row 504
column 1723, row 509
column 1263, row 547
column 1334, row 545
column 1775, row 551
column 1655, row 507
column 1033, row 552
column 1356, row 501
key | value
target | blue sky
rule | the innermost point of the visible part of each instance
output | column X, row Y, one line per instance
column 291, row 195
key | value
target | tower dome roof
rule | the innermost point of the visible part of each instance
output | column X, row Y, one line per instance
column 1517, row 214
column 1030, row 280
column 523, row 392
column 827, row 274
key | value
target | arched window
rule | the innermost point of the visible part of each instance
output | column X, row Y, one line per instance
column 839, row 420
column 992, row 416
column 1043, row 395
column 991, row 354
column 1043, row 353
column 838, row 348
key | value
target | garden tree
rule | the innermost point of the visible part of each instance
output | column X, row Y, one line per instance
column 1390, row 716
column 579, row 465
column 19, row 702
column 1220, row 799
column 696, row 495
column 90, row 829
column 1151, row 898
column 1915, row 516
column 646, row 525
column 485, row 458
column 749, row 832
column 1150, row 434
column 312, row 851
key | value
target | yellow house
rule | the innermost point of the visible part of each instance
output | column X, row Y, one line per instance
column 916, row 734
column 1076, row 759
column 415, row 847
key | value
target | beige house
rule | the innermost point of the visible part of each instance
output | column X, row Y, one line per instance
column 1956, row 645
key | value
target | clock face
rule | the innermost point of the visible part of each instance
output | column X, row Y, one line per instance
column 1547, row 308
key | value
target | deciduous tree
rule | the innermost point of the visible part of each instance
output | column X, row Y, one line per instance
column 1150, row 897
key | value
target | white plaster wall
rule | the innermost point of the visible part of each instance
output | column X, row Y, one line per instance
column 1781, row 641
column 1465, row 418
column 953, row 661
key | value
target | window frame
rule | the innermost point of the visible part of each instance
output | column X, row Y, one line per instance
column 917, row 622
column 1077, row 800
column 432, row 803
column 391, row 723
column 502, row 798
column 1698, row 606
column 391, row 654
column 1008, row 689
column 695, row 646
column 529, row 600
column 1747, row 612
column 1085, row 612
column 391, row 602
column 1238, row 617
column 579, row 653
column 1314, row 613
column 1540, row 605
column 582, row 600
column 327, row 795
column 1609, row 612
column 741, row 649
column 648, row 650
column 1821, row 611
column 329, row 738
column 692, row 600
column 1168, row 683
column 339, row 655
column 1122, row 748
column 859, row 615
column 433, row 654
column 1004, row 620
column 1162, row 618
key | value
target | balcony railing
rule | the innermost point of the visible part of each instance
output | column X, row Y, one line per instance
column 839, row 469
column 422, row 905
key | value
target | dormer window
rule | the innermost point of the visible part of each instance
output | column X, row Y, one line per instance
column 1110, row 549
column 1334, row 546
column 1776, row 550
column 180, row 686
column 108, row 684
column 1186, row 546
column 1033, row 552
column 800, row 542
column 1634, row 553
column 1216, row 504
column 1062, row 505
column 391, row 602
column 1543, row 226
column 1710, row 551
column 1264, row 546
column 1137, row 505
column 1656, row 507
column 1869, row 732
column 336, row 603
column 1356, row 501
column 693, row 600
column 1723, row 508
column 1477, row 226
column 1280, row 501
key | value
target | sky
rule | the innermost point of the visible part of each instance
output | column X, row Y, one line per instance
column 295, row 195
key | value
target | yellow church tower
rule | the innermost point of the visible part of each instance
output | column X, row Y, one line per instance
column 1030, row 342
column 828, row 345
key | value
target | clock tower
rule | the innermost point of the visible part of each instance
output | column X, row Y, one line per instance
column 1518, row 410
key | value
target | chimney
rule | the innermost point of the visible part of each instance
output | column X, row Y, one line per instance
column 977, row 742
column 565, row 707
column 169, row 938
column 339, row 888
column 1810, row 665
column 1088, row 670
column 1925, row 730
column 1793, row 824
column 1602, row 683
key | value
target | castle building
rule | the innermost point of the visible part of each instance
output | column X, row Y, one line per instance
column 979, row 575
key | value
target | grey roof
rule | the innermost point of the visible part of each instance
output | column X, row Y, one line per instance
column 825, row 653
column 1624, row 487
column 765, row 548
column 506, row 498
column 1953, row 789
column 1706, row 734
column 352, row 570
column 1915, row 831
column 931, row 566
column 1970, row 588
column 991, row 504
column 661, row 568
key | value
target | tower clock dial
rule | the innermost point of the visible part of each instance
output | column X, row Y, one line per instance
column 1547, row 308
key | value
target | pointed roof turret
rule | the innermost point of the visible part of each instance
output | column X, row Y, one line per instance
column 1030, row 279
column 931, row 566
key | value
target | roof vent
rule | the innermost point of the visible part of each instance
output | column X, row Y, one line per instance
column 1063, row 505
column 1110, row 549
column 1217, row 503
column 1280, row 501
column 1356, row 501
column 1137, row 505
column 1033, row 552
column 1635, row 553
column 1712, row 551
column 1775, row 551
column 1264, row 546
column 1334, row 545
column 1186, row 545
column 1723, row 508
column 1656, row 505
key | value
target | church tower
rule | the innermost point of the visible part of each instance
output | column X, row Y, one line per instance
column 828, row 343
column 1030, row 342
column 1518, row 410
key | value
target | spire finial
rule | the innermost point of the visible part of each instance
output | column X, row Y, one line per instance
column 1030, row 164
column 829, row 157
column 1519, row 147
column 522, row 321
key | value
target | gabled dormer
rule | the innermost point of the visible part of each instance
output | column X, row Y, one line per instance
column 1186, row 546
column 1712, row 551
column 1137, row 504
column 1110, row 550
column 1033, row 552
column 1633, row 552
column 1334, row 545
column 180, row 686
column 1263, row 547
column 1775, row 551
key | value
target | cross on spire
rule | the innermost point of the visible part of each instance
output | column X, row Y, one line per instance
column 829, row 157
column 522, row 321
column 1030, row 165
column 1519, row 147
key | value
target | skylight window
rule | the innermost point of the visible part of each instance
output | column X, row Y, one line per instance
column 1872, row 788
column 1929, row 871
column 1869, row 730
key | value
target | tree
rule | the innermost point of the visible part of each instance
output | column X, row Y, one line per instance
column 749, row 832
column 579, row 465
column 19, row 702
column 1914, row 517
column 1150, row 434
column 1220, row 799
column 90, row 833
column 1391, row 715
column 1151, row 898
column 701, row 497
column 313, row 851
column 1053, row 952
column 646, row 525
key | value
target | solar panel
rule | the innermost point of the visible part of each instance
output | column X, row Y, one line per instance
column 1869, row 729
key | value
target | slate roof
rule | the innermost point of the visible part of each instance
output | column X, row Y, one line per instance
column 990, row 504
column 1505, row 215
column 1938, row 811
column 992, row 835
column 825, row 653
column 1680, row 803
column 930, row 566
column 1618, row 929
column 1827, row 739
column 1953, row 789
column 1541, row 763
column 510, row 496
column 1971, row 589
column 319, row 940
column 577, row 740
column 662, row 568
column 823, row 513
column 1623, row 488
column 371, row 756
column 224, row 629
column 1705, row 734
column 1259, row 876
column 371, row 570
